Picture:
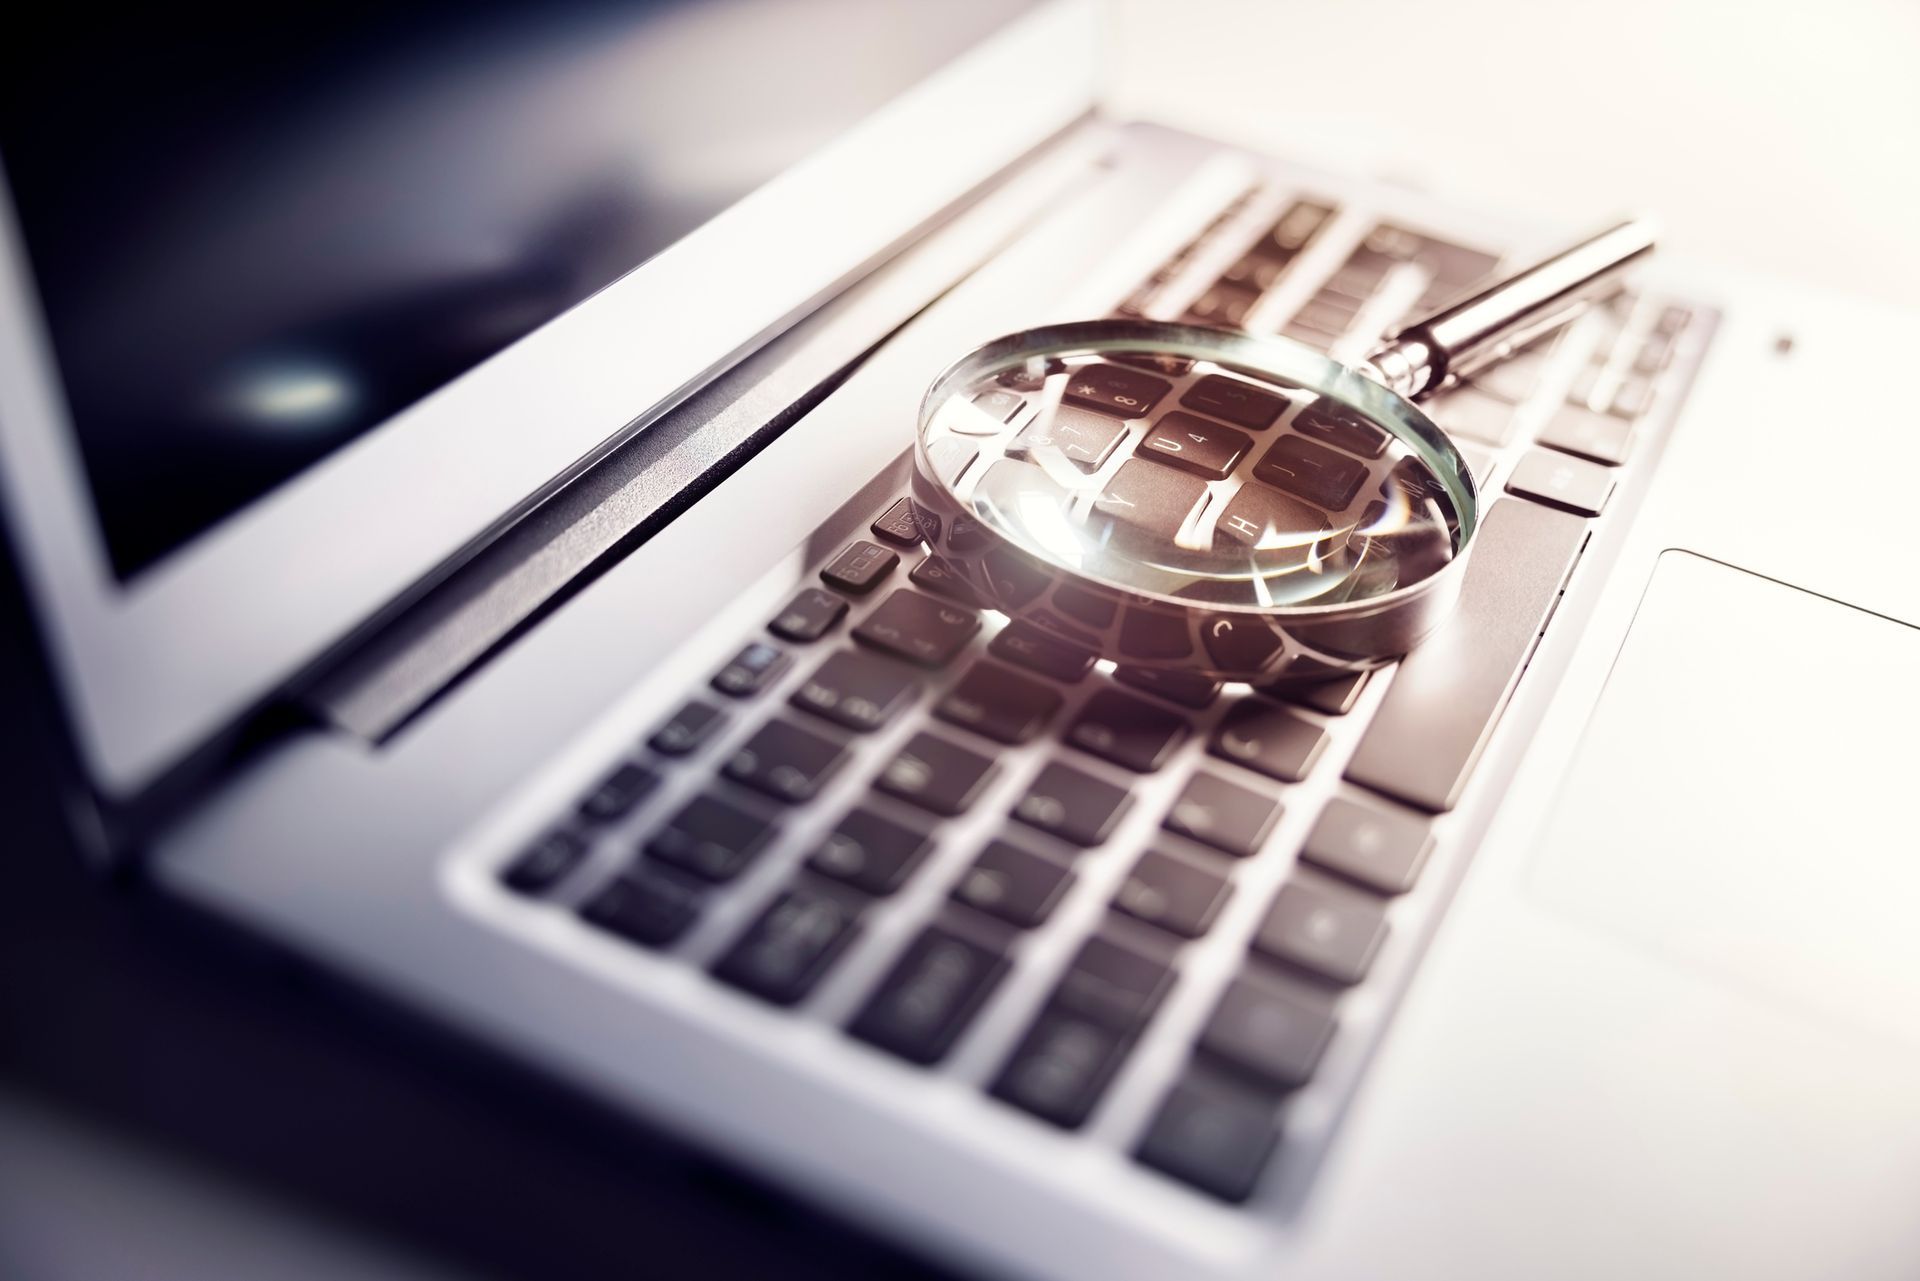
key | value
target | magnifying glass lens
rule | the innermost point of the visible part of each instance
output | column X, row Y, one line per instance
column 1195, row 482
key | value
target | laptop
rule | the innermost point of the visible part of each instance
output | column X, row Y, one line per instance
column 457, row 460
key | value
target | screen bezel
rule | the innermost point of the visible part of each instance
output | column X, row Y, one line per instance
column 152, row 668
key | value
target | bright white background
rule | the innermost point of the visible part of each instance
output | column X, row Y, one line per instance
column 1773, row 136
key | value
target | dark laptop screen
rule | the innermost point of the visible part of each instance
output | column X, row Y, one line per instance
column 257, row 233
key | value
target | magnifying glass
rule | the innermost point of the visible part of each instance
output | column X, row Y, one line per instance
column 1177, row 496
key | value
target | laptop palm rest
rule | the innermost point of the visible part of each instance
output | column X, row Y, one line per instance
column 1743, row 799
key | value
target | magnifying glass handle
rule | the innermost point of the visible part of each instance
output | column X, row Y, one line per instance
column 1496, row 322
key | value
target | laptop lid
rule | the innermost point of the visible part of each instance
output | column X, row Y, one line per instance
column 292, row 314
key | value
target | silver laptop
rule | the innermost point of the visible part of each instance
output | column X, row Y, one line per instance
column 457, row 466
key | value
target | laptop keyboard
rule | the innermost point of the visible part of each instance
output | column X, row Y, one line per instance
column 880, row 705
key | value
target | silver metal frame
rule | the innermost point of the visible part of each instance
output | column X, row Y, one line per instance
column 151, row 669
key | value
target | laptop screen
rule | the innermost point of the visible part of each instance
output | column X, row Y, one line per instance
column 259, row 234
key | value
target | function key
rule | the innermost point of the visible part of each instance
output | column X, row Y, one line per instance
column 712, row 838
column 919, row 628
column 692, row 725
column 929, row 996
column 1002, row 705
column 1332, row 931
column 786, row 762
column 1272, row 740
column 1336, row 424
column 860, row 691
column 752, row 670
column 1233, row 401
column 1189, row 689
column 1312, row 472
column 1033, row 649
column 645, row 906
column 936, row 775
column 1127, row 731
column 1019, row 888
column 1116, row 390
column 616, row 795
column 898, row 524
column 1148, row 501
column 1172, row 894
column 1275, row 1036
column 809, row 616
column 1074, row 806
column 1194, row 445
column 871, row 852
column 860, row 567
column 789, row 948
column 545, row 863
column 1218, row 1142
column 1378, row 847
column 1085, row 440
column 1233, row 819
column 1559, row 481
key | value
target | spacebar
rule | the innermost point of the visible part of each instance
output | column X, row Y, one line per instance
column 1447, row 694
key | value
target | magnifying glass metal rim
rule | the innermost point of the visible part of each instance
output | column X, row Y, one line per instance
column 1293, row 363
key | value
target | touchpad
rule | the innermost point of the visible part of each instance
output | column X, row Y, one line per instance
column 1747, row 796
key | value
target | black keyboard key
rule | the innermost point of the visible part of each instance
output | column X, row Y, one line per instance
column 1127, row 731
column 897, row 524
column 1116, row 390
column 1233, row 819
column 1148, row 503
column 1195, row 445
column 1321, row 476
column 1334, row 697
column 1381, row 848
column 712, row 838
column 545, row 863
column 1233, row 401
column 645, row 906
column 1002, row 705
column 809, row 616
column 687, row 729
column 1447, row 695
column 936, row 576
column 1149, row 634
column 860, row 691
column 929, row 996
column 1239, row 643
column 1018, row 887
column 918, row 628
column 1555, row 478
column 871, row 852
column 1335, row 424
column 1029, row 647
column 1275, row 1036
column 618, row 794
column 1173, row 894
column 786, row 762
column 1000, row 405
column 1016, row 578
column 789, row 948
column 1061, row 1067
column 752, row 670
column 937, row 775
column 1083, row 439
column 1113, row 984
column 1272, row 740
column 1217, row 1142
column 1269, row 528
column 1073, row 806
column 1084, row 606
column 1325, row 928
column 1189, row 689
column 860, row 567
